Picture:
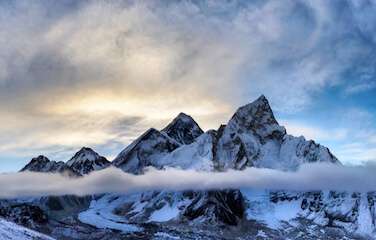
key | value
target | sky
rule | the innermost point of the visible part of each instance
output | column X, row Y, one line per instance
column 100, row 73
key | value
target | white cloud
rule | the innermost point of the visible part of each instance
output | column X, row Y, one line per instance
column 314, row 132
column 308, row 178
column 357, row 152
column 361, row 87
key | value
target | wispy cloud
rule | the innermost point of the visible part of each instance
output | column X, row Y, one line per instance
column 357, row 152
column 361, row 87
column 314, row 132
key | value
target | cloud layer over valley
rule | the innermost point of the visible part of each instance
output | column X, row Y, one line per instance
column 308, row 177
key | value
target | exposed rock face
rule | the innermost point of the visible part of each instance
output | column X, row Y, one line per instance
column 83, row 162
column 252, row 137
column 10, row 230
column 295, row 151
column 43, row 164
column 145, row 151
column 352, row 212
column 257, row 118
column 183, row 129
column 87, row 160
column 153, row 147
column 62, row 205
column 24, row 214
column 226, row 207
column 197, row 155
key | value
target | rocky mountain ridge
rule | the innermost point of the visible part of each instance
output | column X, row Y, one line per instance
column 87, row 160
column 83, row 162
column 251, row 138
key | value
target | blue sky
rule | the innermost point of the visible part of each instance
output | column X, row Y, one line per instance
column 99, row 73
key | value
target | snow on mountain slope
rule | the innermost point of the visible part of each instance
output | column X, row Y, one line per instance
column 253, row 137
column 43, row 164
column 295, row 151
column 183, row 129
column 263, row 209
column 83, row 162
column 151, row 147
column 12, row 231
column 101, row 214
column 353, row 212
column 198, row 155
column 87, row 160
column 220, row 207
column 142, row 207
column 145, row 151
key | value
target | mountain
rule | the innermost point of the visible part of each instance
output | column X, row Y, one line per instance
column 43, row 164
column 198, row 155
column 87, row 160
column 83, row 162
column 12, row 231
column 183, row 129
column 251, row 138
column 145, row 151
column 152, row 147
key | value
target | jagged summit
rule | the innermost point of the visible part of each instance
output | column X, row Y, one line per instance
column 145, row 151
column 87, row 160
column 36, row 163
column 251, row 138
column 259, row 106
column 83, row 162
column 258, row 116
column 183, row 129
column 84, row 153
column 43, row 164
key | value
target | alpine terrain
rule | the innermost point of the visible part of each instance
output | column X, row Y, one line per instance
column 251, row 138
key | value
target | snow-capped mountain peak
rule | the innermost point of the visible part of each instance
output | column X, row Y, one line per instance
column 36, row 163
column 253, row 137
column 83, row 162
column 43, row 164
column 147, row 150
column 183, row 129
column 258, row 117
column 12, row 231
column 87, row 160
column 84, row 153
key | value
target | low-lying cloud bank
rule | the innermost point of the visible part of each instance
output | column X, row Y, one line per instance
column 309, row 177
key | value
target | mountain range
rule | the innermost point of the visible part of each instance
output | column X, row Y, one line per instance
column 251, row 138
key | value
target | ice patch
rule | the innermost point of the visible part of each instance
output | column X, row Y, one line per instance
column 261, row 234
column 262, row 209
column 164, row 236
column 12, row 231
column 164, row 214
column 100, row 214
